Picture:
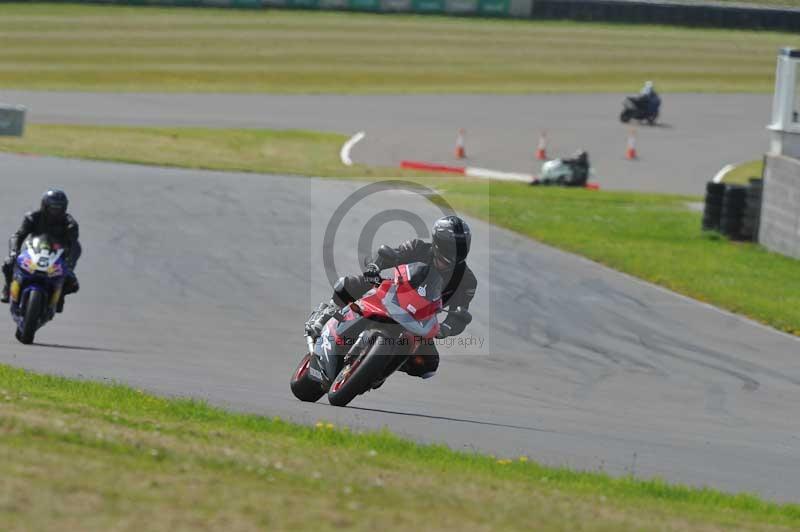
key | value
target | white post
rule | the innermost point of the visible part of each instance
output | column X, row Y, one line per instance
column 785, row 126
column 779, row 223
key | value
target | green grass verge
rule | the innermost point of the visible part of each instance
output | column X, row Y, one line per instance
column 86, row 456
column 742, row 174
column 651, row 236
column 248, row 150
column 114, row 48
column 654, row 237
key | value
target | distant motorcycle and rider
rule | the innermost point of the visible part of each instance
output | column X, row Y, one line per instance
column 644, row 107
column 40, row 268
column 374, row 325
column 575, row 171
column 567, row 172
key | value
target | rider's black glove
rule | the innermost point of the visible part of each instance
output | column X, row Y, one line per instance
column 372, row 274
column 455, row 323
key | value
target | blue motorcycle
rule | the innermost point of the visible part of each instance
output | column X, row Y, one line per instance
column 38, row 280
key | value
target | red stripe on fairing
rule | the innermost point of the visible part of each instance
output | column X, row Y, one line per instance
column 419, row 165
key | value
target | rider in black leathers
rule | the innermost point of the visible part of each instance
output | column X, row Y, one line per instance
column 51, row 218
column 451, row 238
column 648, row 98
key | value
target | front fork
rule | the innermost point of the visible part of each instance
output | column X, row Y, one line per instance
column 15, row 291
column 329, row 358
column 55, row 297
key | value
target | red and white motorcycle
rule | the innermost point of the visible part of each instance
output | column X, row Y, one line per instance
column 376, row 335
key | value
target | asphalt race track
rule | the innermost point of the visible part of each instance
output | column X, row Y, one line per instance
column 699, row 133
column 198, row 283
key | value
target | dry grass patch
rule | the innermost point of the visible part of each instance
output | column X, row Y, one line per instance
column 114, row 48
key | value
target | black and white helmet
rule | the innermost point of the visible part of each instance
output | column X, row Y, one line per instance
column 451, row 240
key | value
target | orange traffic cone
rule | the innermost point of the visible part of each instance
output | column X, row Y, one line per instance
column 630, row 153
column 461, row 152
column 541, row 151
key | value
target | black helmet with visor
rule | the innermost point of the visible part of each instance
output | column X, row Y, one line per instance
column 54, row 205
column 451, row 241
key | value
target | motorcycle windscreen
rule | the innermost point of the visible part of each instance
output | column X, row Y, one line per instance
column 41, row 255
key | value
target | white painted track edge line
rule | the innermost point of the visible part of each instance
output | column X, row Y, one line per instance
column 722, row 173
column 344, row 153
column 472, row 171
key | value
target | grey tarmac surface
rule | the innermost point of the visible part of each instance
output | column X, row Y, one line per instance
column 700, row 133
column 198, row 283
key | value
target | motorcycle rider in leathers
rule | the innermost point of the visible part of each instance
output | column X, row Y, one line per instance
column 51, row 218
column 447, row 253
column 648, row 97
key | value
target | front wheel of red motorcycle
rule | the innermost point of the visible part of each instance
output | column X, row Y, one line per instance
column 303, row 386
column 358, row 377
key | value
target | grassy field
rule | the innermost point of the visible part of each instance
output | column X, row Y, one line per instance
column 654, row 237
column 108, row 48
column 86, row 456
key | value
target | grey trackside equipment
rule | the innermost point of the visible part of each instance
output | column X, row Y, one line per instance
column 12, row 120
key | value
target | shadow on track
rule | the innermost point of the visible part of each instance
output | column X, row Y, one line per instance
column 645, row 126
column 81, row 348
column 456, row 419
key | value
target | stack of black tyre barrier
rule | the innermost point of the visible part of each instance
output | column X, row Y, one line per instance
column 712, row 213
column 733, row 204
column 752, row 210
column 712, row 14
column 733, row 210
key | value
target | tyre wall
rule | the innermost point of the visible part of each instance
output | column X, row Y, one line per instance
column 675, row 13
column 481, row 8
column 647, row 12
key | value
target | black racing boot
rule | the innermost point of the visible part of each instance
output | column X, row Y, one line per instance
column 71, row 286
column 420, row 366
column 321, row 315
column 4, row 296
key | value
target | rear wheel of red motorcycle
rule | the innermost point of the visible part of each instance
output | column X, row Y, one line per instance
column 303, row 386
column 361, row 374
column 32, row 311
